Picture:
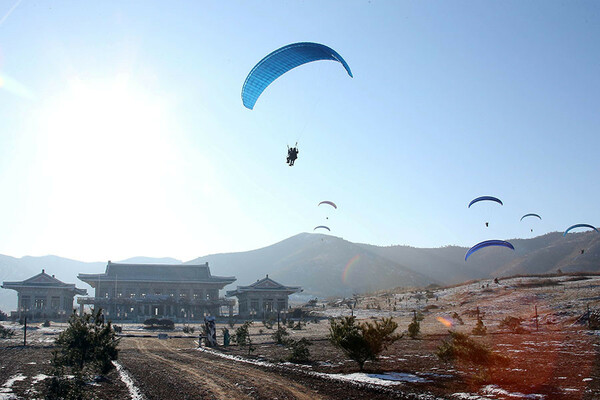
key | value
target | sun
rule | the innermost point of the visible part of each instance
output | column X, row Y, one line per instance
column 108, row 153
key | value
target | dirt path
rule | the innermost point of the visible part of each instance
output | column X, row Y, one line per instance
column 174, row 369
column 162, row 363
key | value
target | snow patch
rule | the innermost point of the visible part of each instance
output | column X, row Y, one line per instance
column 497, row 391
column 6, row 391
column 134, row 391
column 39, row 378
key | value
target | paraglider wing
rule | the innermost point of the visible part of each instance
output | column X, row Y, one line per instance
column 488, row 243
column 482, row 198
column 331, row 203
column 322, row 226
column 530, row 215
column 580, row 226
column 281, row 61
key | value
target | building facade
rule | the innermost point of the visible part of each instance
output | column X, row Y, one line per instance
column 263, row 298
column 136, row 292
column 44, row 297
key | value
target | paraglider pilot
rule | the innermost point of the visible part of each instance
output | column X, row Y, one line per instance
column 292, row 155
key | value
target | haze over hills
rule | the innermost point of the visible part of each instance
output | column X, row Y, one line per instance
column 330, row 266
column 323, row 265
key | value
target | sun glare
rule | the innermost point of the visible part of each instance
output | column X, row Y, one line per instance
column 108, row 154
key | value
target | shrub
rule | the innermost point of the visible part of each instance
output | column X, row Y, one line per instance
column 513, row 324
column 188, row 329
column 87, row 343
column 268, row 323
column 362, row 342
column 6, row 333
column 300, row 352
column 460, row 347
column 46, row 323
column 3, row 316
column 87, row 347
column 594, row 320
column 117, row 329
column 480, row 328
column 280, row 335
column 242, row 336
column 298, row 326
column 414, row 328
column 290, row 324
column 457, row 318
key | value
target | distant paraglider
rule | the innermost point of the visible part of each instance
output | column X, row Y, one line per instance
column 580, row 226
column 281, row 61
column 321, row 227
column 488, row 243
column 530, row 215
column 331, row 203
column 485, row 198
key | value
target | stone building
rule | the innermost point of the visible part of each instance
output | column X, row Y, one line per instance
column 44, row 297
column 136, row 292
column 262, row 298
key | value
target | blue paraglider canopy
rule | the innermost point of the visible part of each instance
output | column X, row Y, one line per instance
column 488, row 243
column 482, row 198
column 281, row 61
column 580, row 226
column 530, row 215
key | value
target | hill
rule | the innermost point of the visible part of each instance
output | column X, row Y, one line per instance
column 323, row 265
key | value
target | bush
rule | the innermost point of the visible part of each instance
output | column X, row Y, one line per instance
column 87, row 344
column 242, row 336
column 87, row 347
column 298, row 326
column 3, row 316
column 480, row 328
column 46, row 323
column 6, row 333
column 280, row 335
column 457, row 318
column 513, row 324
column 460, row 347
column 117, row 329
column 188, row 329
column 414, row 328
column 268, row 323
column 300, row 352
column 362, row 342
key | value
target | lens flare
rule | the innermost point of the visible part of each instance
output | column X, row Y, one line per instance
column 445, row 321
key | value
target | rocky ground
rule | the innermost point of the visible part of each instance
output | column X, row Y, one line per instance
column 558, row 359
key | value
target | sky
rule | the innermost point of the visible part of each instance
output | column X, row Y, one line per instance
column 123, row 132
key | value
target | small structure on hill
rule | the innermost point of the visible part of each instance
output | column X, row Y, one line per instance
column 263, row 298
column 137, row 292
column 44, row 297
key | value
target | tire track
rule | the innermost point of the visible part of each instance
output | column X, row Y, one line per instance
column 259, row 378
column 220, row 388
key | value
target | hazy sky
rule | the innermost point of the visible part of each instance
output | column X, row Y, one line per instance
column 123, row 132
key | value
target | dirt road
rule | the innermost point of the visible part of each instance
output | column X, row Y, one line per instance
column 173, row 369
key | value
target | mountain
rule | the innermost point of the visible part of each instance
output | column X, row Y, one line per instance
column 329, row 266
column 322, row 265
column 542, row 254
